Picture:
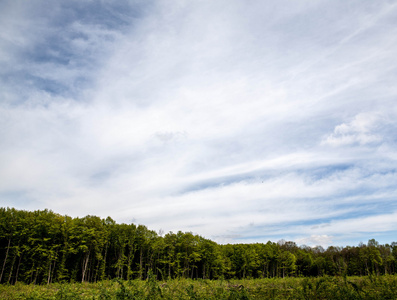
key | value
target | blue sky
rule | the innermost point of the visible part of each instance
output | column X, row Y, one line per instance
column 241, row 121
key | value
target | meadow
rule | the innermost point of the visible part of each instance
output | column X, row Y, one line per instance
column 44, row 255
column 366, row 287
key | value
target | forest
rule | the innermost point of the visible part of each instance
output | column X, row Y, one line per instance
column 42, row 247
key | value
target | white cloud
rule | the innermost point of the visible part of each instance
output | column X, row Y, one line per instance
column 316, row 240
column 361, row 130
column 234, row 121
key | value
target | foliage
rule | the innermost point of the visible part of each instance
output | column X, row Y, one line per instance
column 368, row 287
column 43, row 247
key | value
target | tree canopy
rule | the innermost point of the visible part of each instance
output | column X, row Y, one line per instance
column 44, row 247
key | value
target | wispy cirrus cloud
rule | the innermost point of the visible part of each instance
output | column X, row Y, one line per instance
column 239, row 122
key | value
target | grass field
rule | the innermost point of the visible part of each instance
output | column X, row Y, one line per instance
column 373, row 287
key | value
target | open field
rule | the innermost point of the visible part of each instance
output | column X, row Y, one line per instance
column 369, row 287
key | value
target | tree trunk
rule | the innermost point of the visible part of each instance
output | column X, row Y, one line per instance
column 129, row 266
column 53, row 271
column 90, row 271
column 85, row 264
column 5, row 259
column 49, row 273
column 19, row 264
column 32, row 272
column 103, row 274
column 12, row 269
column 97, row 270
column 169, row 270
column 37, row 273
column 141, row 264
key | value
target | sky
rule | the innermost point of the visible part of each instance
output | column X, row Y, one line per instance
column 240, row 121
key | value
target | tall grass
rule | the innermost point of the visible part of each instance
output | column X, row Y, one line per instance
column 372, row 287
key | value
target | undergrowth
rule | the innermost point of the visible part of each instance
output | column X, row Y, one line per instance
column 372, row 287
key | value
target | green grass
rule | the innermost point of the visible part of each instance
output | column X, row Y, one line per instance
column 382, row 287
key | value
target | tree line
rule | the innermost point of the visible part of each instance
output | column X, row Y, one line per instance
column 43, row 247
